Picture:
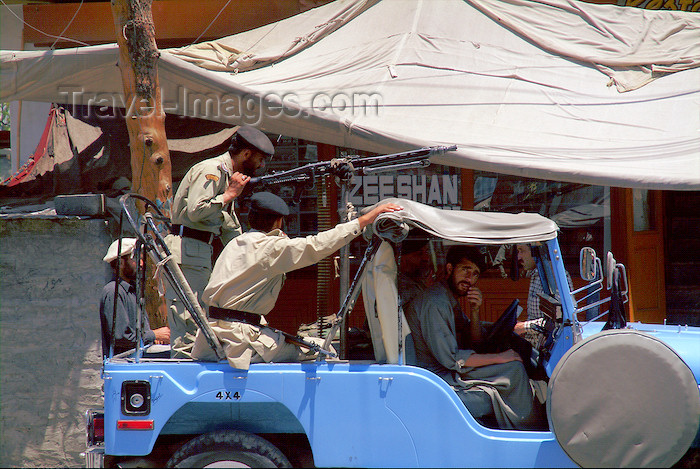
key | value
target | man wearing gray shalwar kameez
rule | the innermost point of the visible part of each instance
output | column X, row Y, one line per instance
column 488, row 384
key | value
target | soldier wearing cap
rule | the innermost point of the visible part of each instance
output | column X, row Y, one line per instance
column 249, row 274
column 203, row 208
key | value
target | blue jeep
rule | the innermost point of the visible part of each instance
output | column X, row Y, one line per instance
column 618, row 394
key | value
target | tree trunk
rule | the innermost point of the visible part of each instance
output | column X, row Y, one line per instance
column 145, row 120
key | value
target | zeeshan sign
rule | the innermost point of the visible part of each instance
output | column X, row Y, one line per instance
column 440, row 190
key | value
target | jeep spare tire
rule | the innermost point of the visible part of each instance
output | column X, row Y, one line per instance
column 622, row 398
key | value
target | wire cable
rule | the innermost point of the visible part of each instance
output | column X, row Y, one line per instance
column 40, row 31
column 69, row 23
column 212, row 22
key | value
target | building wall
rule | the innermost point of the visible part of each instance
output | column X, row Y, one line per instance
column 31, row 115
column 51, row 276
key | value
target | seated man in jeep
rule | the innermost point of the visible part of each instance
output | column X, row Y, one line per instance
column 491, row 385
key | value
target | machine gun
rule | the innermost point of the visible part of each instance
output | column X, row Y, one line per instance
column 344, row 168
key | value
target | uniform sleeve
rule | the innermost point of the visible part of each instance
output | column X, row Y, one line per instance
column 285, row 254
column 205, row 200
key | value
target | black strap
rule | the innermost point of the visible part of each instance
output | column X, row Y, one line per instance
column 254, row 319
column 182, row 230
column 234, row 315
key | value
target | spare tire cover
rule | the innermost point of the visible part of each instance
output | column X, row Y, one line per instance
column 623, row 398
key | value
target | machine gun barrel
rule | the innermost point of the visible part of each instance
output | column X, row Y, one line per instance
column 400, row 158
column 362, row 165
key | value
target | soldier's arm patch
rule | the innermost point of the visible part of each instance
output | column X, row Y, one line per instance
column 212, row 177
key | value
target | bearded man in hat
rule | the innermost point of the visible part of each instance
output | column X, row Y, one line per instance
column 249, row 274
column 203, row 209
column 125, row 328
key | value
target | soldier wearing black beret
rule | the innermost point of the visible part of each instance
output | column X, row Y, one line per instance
column 203, row 208
column 249, row 274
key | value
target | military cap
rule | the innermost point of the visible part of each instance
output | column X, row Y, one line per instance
column 266, row 202
column 127, row 247
column 253, row 138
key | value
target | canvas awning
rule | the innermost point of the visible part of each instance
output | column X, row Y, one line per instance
column 493, row 228
column 79, row 154
column 552, row 89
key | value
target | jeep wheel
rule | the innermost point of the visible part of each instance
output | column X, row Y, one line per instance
column 228, row 448
column 623, row 398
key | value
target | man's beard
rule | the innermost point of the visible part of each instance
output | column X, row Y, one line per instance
column 129, row 275
column 455, row 287
column 249, row 168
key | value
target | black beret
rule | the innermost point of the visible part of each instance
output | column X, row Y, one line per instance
column 254, row 138
column 266, row 202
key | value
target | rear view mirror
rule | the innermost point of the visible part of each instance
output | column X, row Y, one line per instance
column 587, row 264
column 610, row 268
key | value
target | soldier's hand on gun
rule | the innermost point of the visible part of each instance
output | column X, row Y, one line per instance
column 235, row 186
column 370, row 216
column 342, row 169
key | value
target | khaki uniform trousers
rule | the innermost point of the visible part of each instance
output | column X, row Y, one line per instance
column 245, row 344
column 194, row 259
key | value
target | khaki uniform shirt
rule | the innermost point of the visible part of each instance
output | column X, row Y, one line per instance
column 199, row 201
column 248, row 276
column 198, row 204
column 250, row 271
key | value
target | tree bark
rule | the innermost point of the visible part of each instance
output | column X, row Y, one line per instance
column 145, row 121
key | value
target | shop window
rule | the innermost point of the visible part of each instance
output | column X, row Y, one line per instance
column 436, row 185
column 581, row 211
column 642, row 210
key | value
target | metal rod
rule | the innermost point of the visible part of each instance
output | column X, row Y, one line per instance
column 394, row 167
column 184, row 291
column 140, row 289
column 173, row 273
column 354, row 290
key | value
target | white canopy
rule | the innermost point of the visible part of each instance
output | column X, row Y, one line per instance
column 463, row 226
column 553, row 89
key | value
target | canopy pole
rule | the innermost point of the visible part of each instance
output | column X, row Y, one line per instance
column 346, row 212
column 145, row 121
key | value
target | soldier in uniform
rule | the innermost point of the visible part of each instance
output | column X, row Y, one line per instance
column 249, row 274
column 203, row 208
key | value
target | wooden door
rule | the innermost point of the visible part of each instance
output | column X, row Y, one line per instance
column 637, row 218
